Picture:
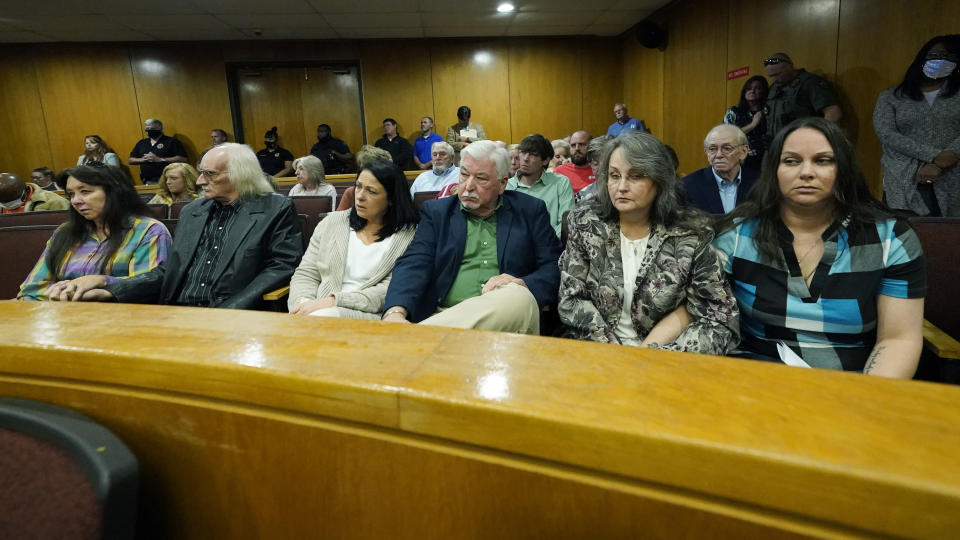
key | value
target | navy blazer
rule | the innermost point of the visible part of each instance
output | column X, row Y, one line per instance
column 263, row 248
column 527, row 248
column 700, row 188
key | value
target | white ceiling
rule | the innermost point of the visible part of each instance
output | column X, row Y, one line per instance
column 24, row 21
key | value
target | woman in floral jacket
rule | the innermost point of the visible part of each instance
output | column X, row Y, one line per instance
column 638, row 268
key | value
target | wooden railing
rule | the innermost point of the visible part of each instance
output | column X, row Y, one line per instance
column 253, row 424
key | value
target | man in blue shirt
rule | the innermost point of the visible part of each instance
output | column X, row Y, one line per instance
column 624, row 122
column 717, row 189
column 423, row 146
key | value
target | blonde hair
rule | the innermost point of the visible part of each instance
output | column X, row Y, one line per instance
column 189, row 175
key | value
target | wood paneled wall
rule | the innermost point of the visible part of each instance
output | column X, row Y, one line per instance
column 862, row 46
column 55, row 94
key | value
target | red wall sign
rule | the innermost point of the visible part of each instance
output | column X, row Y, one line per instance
column 737, row 73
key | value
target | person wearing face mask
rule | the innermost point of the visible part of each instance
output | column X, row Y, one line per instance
column 19, row 196
column 156, row 151
column 918, row 124
column 443, row 173
column 274, row 160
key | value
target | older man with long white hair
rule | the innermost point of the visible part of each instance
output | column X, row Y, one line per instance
column 236, row 243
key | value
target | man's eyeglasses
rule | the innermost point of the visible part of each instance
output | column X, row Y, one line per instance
column 772, row 61
column 726, row 149
column 209, row 174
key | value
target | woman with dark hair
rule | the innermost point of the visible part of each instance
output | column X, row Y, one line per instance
column 748, row 115
column 918, row 124
column 274, row 160
column 347, row 267
column 824, row 274
column 95, row 149
column 107, row 233
column 638, row 268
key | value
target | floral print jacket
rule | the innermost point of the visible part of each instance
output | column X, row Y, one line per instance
column 679, row 267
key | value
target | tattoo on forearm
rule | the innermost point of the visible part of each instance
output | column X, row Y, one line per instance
column 872, row 361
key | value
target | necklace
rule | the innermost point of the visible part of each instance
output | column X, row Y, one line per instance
column 806, row 277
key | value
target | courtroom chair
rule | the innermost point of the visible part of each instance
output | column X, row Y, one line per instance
column 313, row 206
column 940, row 237
column 342, row 188
column 22, row 247
column 284, row 189
column 346, row 199
column 43, row 217
column 146, row 196
column 65, row 475
column 421, row 197
column 276, row 300
column 176, row 208
column 159, row 211
column 171, row 225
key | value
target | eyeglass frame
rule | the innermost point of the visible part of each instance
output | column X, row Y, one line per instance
column 720, row 149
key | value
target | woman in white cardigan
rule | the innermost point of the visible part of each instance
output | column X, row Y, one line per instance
column 347, row 267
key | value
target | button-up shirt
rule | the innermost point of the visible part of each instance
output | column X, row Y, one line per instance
column 198, row 286
column 431, row 181
column 479, row 258
column 553, row 189
column 728, row 190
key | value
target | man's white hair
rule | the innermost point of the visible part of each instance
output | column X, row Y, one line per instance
column 729, row 128
column 481, row 150
column 244, row 170
column 443, row 145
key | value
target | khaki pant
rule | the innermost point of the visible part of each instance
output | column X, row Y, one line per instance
column 511, row 308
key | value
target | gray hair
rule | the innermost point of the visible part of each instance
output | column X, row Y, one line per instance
column 244, row 170
column 596, row 145
column 443, row 145
column 560, row 143
column 314, row 168
column 646, row 154
column 740, row 135
column 512, row 147
column 480, row 150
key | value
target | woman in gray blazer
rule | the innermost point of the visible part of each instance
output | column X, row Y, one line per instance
column 347, row 267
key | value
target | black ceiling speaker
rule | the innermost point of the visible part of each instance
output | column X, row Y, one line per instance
column 650, row 34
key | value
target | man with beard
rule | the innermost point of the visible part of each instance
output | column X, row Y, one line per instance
column 443, row 173
column 334, row 153
column 578, row 170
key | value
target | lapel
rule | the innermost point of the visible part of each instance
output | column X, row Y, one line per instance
column 339, row 251
column 458, row 237
column 247, row 217
column 504, row 226
column 716, row 204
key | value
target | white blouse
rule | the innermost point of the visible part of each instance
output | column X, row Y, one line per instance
column 631, row 253
column 363, row 261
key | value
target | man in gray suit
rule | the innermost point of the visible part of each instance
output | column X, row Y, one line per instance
column 237, row 243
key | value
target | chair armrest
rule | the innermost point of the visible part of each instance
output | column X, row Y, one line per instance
column 285, row 290
column 939, row 342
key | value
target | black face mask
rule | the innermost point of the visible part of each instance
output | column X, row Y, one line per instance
column 269, row 144
column 154, row 133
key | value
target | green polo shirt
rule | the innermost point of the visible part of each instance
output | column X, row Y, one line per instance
column 553, row 189
column 479, row 258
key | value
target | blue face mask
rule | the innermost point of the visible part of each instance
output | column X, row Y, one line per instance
column 938, row 69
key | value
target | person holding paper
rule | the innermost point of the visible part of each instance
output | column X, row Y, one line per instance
column 820, row 268
column 464, row 131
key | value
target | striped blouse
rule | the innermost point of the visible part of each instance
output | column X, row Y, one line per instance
column 145, row 246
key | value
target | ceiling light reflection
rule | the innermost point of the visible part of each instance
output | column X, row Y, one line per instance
column 494, row 386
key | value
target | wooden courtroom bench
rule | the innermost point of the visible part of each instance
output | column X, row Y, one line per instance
column 264, row 425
